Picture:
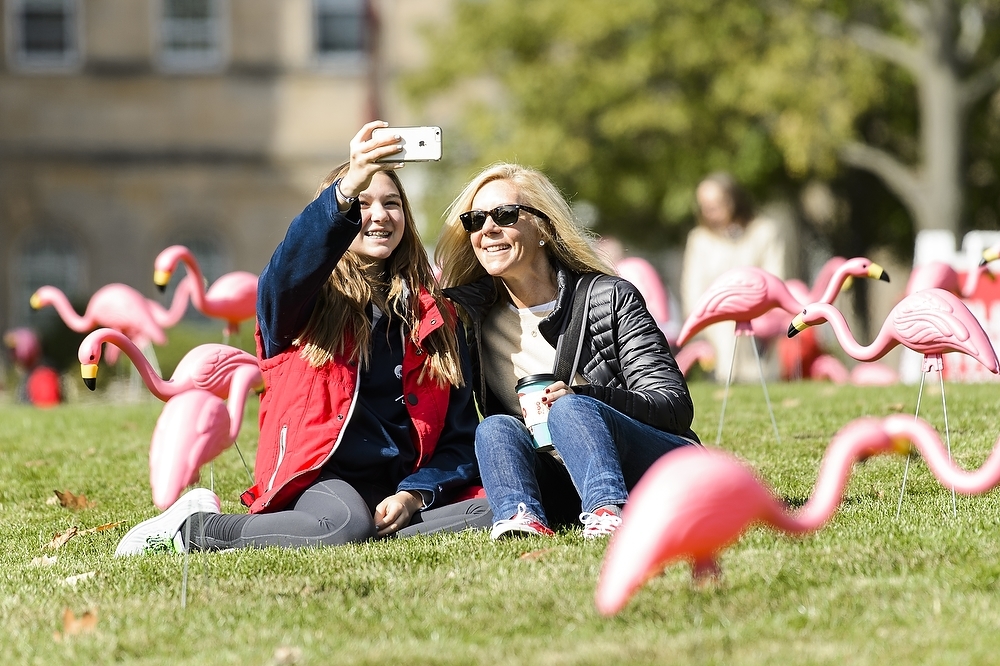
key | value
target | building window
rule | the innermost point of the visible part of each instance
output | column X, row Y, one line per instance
column 45, row 258
column 43, row 35
column 341, row 30
column 192, row 34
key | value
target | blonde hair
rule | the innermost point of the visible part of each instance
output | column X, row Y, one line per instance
column 564, row 239
column 339, row 325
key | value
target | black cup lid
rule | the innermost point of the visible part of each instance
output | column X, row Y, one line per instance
column 531, row 379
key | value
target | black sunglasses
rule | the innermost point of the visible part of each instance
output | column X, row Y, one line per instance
column 504, row 216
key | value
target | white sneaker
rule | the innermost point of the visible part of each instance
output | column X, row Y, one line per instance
column 158, row 533
column 521, row 524
column 596, row 525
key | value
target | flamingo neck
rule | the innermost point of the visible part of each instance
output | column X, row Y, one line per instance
column 972, row 281
column 179, row 303
column 834, row 286
column 80, row 324
column 197, row 290
column 243, row 380
column 156, row 384
column 947, row 472
column 828, row 493
column 876, row 350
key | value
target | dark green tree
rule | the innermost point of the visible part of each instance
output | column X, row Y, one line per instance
column 627, row 105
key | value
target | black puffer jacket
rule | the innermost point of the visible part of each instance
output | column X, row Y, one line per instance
column 625, row 357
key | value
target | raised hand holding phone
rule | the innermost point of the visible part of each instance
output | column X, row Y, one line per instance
column 418, row 144
column 366, row 153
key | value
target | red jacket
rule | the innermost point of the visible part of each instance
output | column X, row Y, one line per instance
column 303, row 411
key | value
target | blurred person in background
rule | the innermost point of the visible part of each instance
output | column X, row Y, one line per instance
column 729, row 234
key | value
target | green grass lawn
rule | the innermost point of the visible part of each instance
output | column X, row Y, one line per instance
column 867, row 589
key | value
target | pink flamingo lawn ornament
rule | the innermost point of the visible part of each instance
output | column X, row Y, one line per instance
column 863, row 374
column 697, row 351
column 695, row 502
column 211, row 367
column 940, row 275
column 743, row 294
column 931, row 322
column 25, row 348
column 39, row 384
column 194, row 427
column 233, row 297
column 116, row 306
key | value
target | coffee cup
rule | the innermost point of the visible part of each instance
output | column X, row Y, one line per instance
column 530, row 391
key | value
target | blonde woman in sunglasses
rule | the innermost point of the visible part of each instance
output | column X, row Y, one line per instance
column 516, row 263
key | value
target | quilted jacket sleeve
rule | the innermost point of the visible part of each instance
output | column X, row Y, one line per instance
column 632, row 368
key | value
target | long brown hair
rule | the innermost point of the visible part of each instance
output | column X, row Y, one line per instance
column 564, row 239
column 339, row 325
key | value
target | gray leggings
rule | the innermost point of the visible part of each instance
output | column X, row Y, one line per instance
column 330, row 512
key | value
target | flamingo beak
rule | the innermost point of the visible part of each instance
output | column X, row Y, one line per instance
column 36, row 301
column 161, row 278
column 990, row 254
column 89, row 373
column 876, row 272
column 797, row 326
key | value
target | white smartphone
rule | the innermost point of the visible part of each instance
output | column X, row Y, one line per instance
column 420, row 144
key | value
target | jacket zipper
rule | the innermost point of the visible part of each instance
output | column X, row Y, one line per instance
column 336, row 445
column 282, row 442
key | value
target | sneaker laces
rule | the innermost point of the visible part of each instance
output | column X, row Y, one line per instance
column 599, row 524
column 522, row 517
column 522, row 521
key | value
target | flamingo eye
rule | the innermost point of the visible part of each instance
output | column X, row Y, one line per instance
column 91, row 357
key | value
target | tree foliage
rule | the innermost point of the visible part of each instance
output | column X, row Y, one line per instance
column 627, row 105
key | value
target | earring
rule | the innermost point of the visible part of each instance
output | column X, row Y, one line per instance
column 541, row 243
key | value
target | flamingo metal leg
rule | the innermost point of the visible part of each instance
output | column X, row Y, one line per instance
column 932, row 363
column 725, row 395
column 763, row 384
column 947, row 436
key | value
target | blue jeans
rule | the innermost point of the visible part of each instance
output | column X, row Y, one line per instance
column 605, row 453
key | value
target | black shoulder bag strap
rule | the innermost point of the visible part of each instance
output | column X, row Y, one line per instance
column 571, row 341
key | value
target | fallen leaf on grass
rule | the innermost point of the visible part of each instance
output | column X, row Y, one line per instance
column 101, row 528
column 59, row 539
column 73, row 580
column 535, row 554
column 52, row 501
column 35, row 463
column 73, row 502
column 43, row 561
column 897, row 407
column 73, row 625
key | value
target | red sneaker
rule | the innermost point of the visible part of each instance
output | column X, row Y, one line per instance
column 601, row 523
column 521, row 524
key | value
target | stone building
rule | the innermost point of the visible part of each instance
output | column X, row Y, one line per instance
column 130, row 125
